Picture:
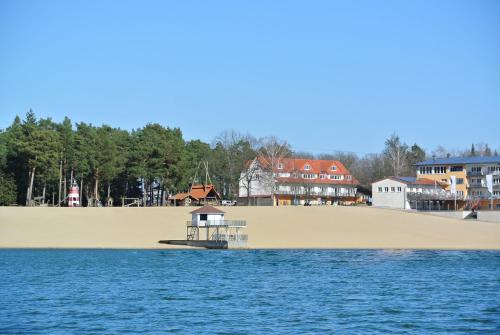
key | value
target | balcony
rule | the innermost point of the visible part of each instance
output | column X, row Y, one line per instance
column 319, row 194
column 483, row 172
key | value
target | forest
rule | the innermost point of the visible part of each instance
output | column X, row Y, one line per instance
column 39, row 158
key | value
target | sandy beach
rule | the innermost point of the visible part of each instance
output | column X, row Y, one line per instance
column 268, row 227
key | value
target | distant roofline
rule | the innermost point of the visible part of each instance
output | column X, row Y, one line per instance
column 414, row 181
column 460, row 160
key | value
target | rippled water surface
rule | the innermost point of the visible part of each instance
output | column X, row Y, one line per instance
column 249, row 292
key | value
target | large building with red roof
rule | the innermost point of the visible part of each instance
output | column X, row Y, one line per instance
column 295, row 181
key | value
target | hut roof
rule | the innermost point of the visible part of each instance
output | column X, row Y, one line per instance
column 207, row 209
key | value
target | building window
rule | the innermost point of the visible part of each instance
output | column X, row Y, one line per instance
column 399, row 188
column 280, row 166
column 348, row 177
column 333, row 168
column 456, row 168
column 380, row 189
column 425, row 170
column 460, row 193
column 386, row 189
column 476, row 169
column 460, row 181
column 335, row 177
column 496, row 181
column 393, row 189
column 307, row 167
column 322, row 176
column 497, row 205
column 309, row 176
column 440, row 169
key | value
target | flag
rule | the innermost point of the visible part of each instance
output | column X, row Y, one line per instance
column 453, row 185
column 489, row 183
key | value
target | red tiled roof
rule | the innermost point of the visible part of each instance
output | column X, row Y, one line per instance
column 298, row 164
column 207, row 209
column 197, row 192
column 414, row 181
column 202, row 191
column 425, row 181
column 317, row 166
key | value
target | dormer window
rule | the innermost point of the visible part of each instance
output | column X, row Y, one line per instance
column 307, row 167
column 333, row 168
column 280, row 166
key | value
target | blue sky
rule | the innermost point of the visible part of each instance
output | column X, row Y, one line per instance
column 324, row 75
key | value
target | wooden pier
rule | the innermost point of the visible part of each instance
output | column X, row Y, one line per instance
column 208, row 244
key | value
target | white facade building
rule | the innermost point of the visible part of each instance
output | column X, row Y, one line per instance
column 295, row 181
column 393, row 192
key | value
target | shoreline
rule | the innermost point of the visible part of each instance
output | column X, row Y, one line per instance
column 242, row 249
column 279, row 228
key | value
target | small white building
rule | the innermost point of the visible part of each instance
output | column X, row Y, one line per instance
column 207, row 215
column 393, row 192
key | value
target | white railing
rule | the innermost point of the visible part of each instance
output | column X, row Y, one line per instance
column 231, row 237
column 438, row 195
column 217, row 223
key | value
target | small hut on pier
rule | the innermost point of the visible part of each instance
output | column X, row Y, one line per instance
column 209, row 229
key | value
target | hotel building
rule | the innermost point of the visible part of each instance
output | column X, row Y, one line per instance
column 470, row 175
column 293, row 181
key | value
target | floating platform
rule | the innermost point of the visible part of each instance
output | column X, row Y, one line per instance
column 208, row 244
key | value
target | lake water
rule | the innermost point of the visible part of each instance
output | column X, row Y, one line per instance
column 249, row 292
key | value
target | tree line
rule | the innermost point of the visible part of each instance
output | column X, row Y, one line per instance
column 41, row 158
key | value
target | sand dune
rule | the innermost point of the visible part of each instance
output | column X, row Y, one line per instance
column 268, row 227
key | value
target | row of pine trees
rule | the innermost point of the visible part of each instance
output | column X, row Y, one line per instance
column 40, row 158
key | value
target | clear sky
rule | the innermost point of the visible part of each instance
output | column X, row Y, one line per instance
column 324, row 75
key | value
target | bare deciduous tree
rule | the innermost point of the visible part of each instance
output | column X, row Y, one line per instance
column 395, row 153
column 248, row 176
column 271, row 152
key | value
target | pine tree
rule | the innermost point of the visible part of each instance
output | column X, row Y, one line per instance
column 487, row 151
column 472, row 151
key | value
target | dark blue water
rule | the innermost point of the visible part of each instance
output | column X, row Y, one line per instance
column 249, row 292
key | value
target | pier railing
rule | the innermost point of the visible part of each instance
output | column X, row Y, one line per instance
column 217, row 223
column 433, row 196
column 231, row 237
